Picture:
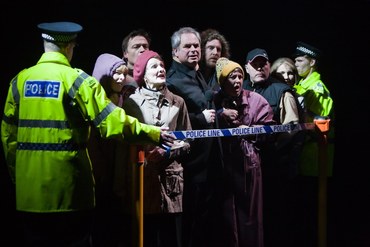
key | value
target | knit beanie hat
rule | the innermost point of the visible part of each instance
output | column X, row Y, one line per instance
column 106, row 65
column 140, row 65
column 224, row 67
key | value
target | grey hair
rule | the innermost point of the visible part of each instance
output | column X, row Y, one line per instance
column 54, row 46
column 176, row 36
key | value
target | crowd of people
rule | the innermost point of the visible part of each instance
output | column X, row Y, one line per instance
column 74, row 144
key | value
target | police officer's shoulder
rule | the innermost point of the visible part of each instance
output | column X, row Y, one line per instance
column 62, row 32
column 86, row 77
column 318, row 87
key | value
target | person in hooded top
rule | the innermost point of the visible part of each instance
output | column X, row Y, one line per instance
column 152, row 103
column 242, row 207
column 112, row 171
column 111, row 71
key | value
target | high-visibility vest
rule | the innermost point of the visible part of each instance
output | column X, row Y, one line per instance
column 318, row 103
column 317, row 98
column 48, row 113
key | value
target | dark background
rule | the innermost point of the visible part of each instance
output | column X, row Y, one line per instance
column 340, row 30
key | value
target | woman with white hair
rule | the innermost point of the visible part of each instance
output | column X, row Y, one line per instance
column 152, row 103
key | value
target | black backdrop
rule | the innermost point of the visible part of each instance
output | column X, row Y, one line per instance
column 341, row 30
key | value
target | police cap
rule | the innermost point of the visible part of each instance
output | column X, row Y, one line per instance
column 59, row 32
column 306, row 49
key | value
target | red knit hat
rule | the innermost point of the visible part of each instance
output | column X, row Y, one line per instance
column 140, row 64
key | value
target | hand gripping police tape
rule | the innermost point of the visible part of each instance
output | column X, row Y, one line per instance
column 241, row 131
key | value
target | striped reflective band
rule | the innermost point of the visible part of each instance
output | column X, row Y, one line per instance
column 266, row 129
column 76, row 84
column 50, row 146
column 44, row 124
column 104, row 113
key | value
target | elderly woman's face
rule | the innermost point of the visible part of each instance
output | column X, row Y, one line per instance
column 233, row 83
column 155, row 73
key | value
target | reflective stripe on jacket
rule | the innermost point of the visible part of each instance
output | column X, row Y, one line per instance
column 316, row 95
column 47, row 117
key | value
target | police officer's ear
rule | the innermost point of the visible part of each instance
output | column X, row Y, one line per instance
column 68, row 50
column 72, row 45
column 313, row 62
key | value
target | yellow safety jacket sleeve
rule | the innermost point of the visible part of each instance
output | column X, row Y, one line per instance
column 49, row 110
column 317, row 97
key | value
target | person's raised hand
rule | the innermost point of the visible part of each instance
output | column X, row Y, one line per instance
column 209, row 115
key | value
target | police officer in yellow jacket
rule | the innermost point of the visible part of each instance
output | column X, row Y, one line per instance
column 318, row 104
column 48, row 113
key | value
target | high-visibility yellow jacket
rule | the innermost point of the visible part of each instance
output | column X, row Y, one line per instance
column 48, row 113
column 317, row 99
column 318, row 103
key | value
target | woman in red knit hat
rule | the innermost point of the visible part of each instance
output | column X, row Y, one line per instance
column 154, row 104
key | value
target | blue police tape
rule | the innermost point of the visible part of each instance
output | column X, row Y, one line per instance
column 264, row 129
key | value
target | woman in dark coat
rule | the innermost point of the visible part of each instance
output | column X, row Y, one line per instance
column 242, row 191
